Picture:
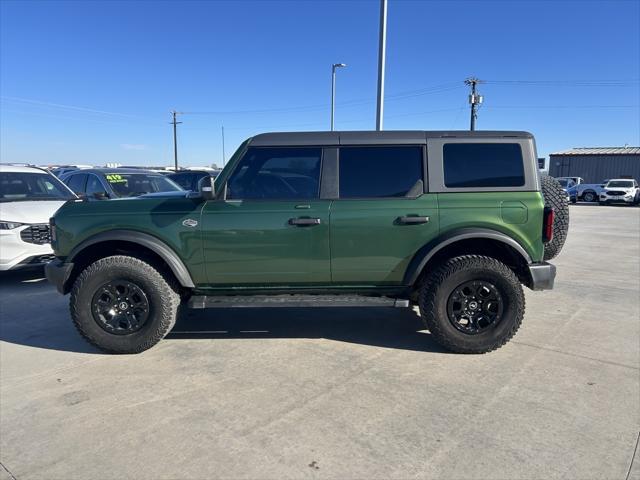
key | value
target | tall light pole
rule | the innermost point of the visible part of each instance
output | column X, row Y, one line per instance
column 333, row 88
column 223, row 155
column 382, row 50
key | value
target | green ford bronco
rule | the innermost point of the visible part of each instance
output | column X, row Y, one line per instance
column 454, row 222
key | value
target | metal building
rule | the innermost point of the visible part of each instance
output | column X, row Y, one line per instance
column 596, row 164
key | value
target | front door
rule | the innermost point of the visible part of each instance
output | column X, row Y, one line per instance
column 272, row 229
column 382, row 217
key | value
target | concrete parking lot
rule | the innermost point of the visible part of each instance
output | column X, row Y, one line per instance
column 337, row 393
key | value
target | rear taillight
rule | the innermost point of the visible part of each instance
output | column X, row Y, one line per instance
column 547, row 225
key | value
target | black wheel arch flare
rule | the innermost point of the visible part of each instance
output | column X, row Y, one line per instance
column 160, row 248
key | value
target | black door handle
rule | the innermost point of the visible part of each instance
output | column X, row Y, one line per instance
column 412, row 220
column 304, row 222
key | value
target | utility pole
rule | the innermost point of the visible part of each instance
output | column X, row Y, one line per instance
column 175, row 139
column 382, row 48
column 223, row 159
column 333, row 89
column 475, row 99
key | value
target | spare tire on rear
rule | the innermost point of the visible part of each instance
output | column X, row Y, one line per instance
column 556, row 198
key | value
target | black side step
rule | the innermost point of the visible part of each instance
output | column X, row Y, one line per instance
column 261, row 301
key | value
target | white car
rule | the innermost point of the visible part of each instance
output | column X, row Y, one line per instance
column 29, row 196
column 620, row 190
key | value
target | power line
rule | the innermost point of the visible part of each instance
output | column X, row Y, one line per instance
column 568, row 83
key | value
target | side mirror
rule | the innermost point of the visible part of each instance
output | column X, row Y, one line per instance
column 207, row 187
column 101, row 195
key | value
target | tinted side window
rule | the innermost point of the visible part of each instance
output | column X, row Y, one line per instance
column 277, row 173
column 374, row 172
column 483, row 165
column 185, row 180
column 76, row 182
column 94, row 185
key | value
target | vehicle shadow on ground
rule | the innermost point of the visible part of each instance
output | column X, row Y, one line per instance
column 33, row 314
column 399, row 328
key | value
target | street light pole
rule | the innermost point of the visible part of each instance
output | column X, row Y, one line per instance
column 382, row 49
column 333, row 89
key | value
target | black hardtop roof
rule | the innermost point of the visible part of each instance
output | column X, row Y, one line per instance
column 371, row 137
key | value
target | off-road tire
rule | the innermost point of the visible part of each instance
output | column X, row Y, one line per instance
column 555, row 197
column 162, row 296
column 439, row 285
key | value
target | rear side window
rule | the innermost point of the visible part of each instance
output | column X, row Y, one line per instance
column 185, row 180
column 378, row 172
column 277, row 173
column 483, row 165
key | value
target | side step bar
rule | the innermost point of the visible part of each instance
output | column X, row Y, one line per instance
column 262, row 301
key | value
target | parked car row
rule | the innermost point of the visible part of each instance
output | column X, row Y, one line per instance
column 616, row 190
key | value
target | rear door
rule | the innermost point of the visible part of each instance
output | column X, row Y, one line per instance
column 272, row 229
column 382, row 215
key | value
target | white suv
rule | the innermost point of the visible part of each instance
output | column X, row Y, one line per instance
column 29, row 196
column 620, row 190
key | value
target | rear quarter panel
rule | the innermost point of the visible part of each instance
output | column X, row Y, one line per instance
column 516, row 214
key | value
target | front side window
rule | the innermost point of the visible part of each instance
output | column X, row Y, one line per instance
column 25, row 186
column 277, row 173
column 468, row 165
column 136, row 184
column 378, row 172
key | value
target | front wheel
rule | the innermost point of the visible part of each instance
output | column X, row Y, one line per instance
column 589, row 196
column 472, row 304
column 122, row 304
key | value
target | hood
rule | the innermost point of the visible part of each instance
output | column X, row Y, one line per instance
column 39, row 211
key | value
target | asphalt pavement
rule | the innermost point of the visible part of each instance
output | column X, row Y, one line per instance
column 337, row 393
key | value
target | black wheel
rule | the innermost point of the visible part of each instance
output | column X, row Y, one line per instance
column 589, row 196
column 555, row 197
column 472, row 304
column 122, row 304
column 602, row 204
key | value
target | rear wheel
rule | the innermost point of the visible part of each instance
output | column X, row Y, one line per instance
column 122, row 304
column 472, row 304
column 589, row 196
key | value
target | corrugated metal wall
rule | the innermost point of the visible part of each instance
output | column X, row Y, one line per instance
column 595, row 168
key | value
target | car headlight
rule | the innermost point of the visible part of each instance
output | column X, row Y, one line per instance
column 9, row 225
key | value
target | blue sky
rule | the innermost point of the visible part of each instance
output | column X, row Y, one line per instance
column 93, row 82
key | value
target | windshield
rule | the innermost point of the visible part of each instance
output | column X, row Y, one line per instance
column 27, row 186
column 136, row 184
column 620, row 184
